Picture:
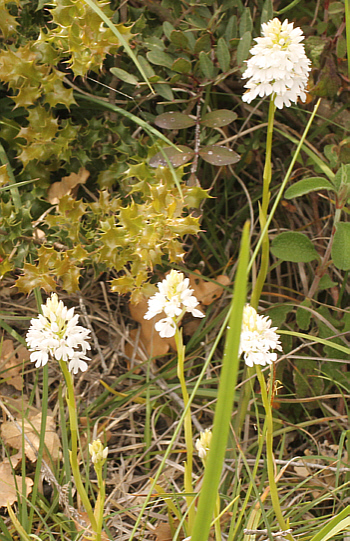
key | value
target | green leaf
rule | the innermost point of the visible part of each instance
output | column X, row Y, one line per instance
column 308, row 185
column 223, row 54
column 341, row 246
column 159, row 58
column 182, row 65
column 219, row 155
column 326, row 282
column 293, row 246
column 267, row 12
column 206, row 65
column 179, row 39
column 176, row 156
column 124, row 76
column 174, row 121
column 219, row 118
column 203, row 44
column 164, row 90
column 243, row 48
column 246, row 23
column 303, row 316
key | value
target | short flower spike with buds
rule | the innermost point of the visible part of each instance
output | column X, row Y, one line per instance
column 174, row 298
column 56, row 334
column 258, row 338
column 278, row 65
column 97, row 452
column 203, row 443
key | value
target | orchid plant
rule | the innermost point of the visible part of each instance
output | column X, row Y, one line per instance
column 56, row 335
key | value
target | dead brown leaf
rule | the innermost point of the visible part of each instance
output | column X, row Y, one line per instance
column 207, row 292
column 11, row 363
column 8, row 480
column 149, row 339
column 64, row 187
column 12, row 436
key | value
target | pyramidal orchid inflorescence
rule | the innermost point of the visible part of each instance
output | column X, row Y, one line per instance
column 55, row 334
column 174, row 298
column 258, row 338
column 278, row 66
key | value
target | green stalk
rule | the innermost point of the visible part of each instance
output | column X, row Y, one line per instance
column 226, row 393
column 188, row 429
column 264, row 263
column 73, row 454
column 99, row 508
column 269, row 448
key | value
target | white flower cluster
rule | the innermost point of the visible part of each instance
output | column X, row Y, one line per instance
column 56, row 334
column 258, row 338
column 174, row 298
column 97, row 452
column 279, row 65
column 203, row 443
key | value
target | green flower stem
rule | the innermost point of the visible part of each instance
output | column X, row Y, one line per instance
column 188, row 429
column 99, row 508
column 269, row 449
column 264, row 263
column 73, row 454
column 263, row 210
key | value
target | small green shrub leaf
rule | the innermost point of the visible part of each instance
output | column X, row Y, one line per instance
column 308, row 185
column 174, row 121
column 243, row 49
column 341, row 246
column 219, row 118
column 206, row 65
column 159, row 58
column 219, row 155
column 164, row 90
column 293, row 246
column 223, row 54
column 124, row 76
column 181, row 65
column 179, row 39
column 303, row 316
column 176, row 157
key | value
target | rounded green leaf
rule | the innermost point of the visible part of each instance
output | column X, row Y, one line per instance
column 174, row 121
column 341, row 246
column 181, row 65
column 179, row 39
column 307, row 185
column 177, row 156
column 219, row 118
column 219, row 155
column 124, row 76
column 293, row 246
column 158, row 57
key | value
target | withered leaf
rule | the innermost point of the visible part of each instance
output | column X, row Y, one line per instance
column 64, row 187
column 11, row 363
column 12, row 436
column 8, row 481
